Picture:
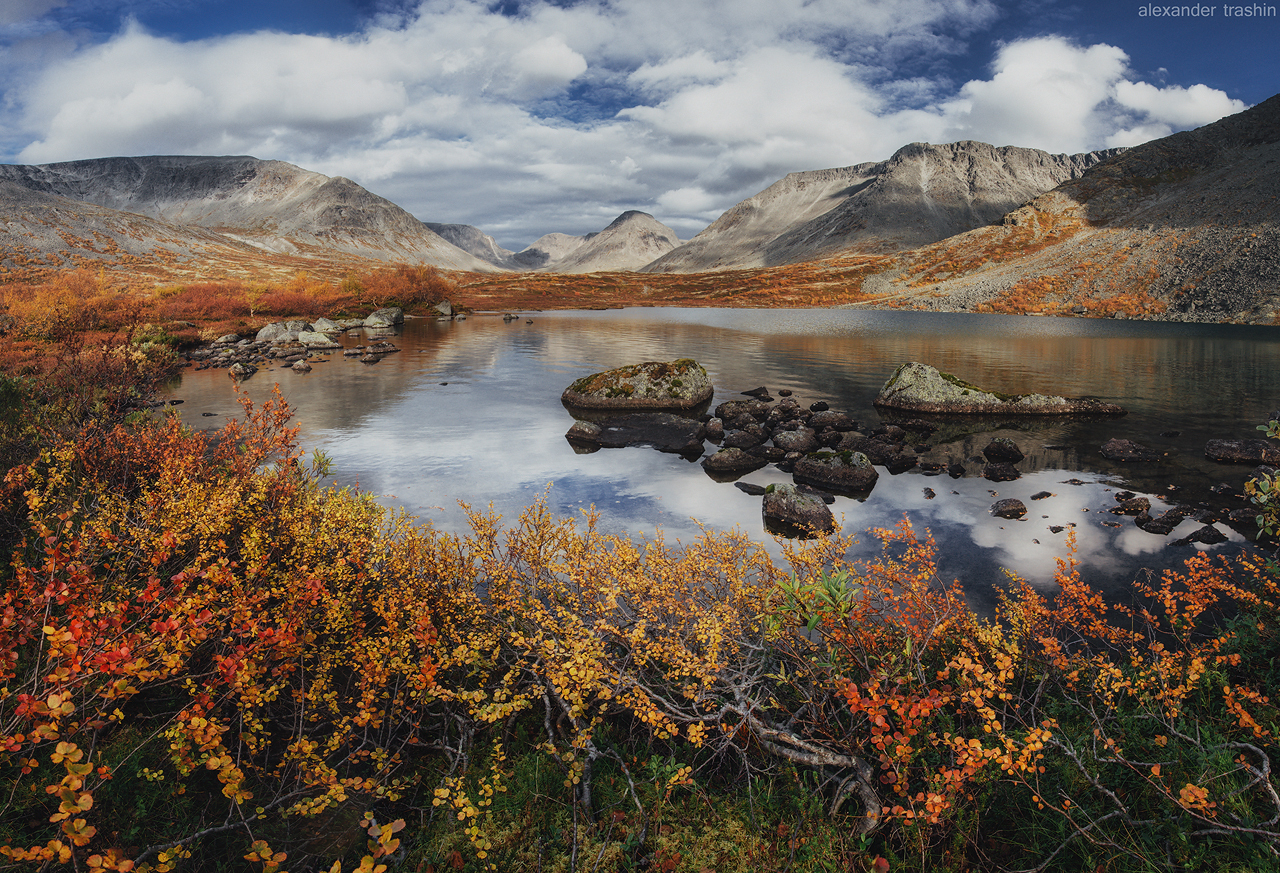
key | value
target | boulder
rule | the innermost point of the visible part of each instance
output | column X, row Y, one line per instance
column 326, row 325
column 301, row 367
column 803, row 440
column 680, row 384
column 917, row 387
column 314, row 339
column 1132, row 506
column 1009, row 508
column 832, row 419
column 659, row 430
column 757, row 409
column 731, row 463
column 1127, row 450
column 241, row 371
column 227, row 340
column 445, row 308
column 297, row 325
column 271, row 332
column 386, row 317
column 1243, row 452
column 790, row 512
column 838, row 472
column 747, row 438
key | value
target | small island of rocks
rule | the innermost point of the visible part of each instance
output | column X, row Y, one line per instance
column 916, row 387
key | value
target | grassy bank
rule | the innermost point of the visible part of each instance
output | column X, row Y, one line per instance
column 209, row 661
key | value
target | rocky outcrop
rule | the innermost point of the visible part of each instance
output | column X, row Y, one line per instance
column 680, row 384
column 917, row 387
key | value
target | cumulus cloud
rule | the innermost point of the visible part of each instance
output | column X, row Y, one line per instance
column 559, row 116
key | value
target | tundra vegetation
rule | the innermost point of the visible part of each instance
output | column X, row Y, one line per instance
column 210, row 660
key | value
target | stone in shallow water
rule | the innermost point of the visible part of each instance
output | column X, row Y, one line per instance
column 1127, row 450
column 729, row 464
column 840, row 472
column 790, row 512
column 919, row 387
column 1009, row 508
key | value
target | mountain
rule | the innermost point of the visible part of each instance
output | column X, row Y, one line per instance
column 1185, row 227
column 922, row 194
column 269, row 205
column 632, row 240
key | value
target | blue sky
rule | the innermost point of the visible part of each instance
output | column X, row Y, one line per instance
column 524, row 118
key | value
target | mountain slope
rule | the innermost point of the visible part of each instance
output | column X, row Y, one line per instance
column 922, row 194
column 269, row 204
column 1186, row 227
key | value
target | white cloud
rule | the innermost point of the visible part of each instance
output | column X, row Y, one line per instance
column 1052, row 94
column 1174, row 105
column 560, row 117
column 17, row 11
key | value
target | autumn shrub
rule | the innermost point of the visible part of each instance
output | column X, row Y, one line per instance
column 205, row 301
column 208, row 658
column 403, row 285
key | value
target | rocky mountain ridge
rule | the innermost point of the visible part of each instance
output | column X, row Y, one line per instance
column 924, row 193
column 269, row 205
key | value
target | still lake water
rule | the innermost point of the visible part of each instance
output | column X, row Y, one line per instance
column 470, row 411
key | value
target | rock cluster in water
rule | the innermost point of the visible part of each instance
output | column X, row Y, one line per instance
column 294, row 342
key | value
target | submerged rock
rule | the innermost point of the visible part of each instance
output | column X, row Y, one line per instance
column 921, row 388
column 1009, row 508
column 1127, row 450
column 1242, row 452
column 680, row 384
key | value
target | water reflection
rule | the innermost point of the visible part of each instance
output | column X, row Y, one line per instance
column 470, row 411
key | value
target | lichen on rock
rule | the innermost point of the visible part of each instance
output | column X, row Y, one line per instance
column 919, row 387
column 679, row 384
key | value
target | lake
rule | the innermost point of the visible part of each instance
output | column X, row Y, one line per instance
column 470, row 410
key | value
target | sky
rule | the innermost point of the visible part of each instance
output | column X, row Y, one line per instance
column 524, row 117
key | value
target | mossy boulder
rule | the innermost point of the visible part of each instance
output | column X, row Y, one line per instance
column 840, row 472
column 680, row 384
column 919, row 387
column 790, row 512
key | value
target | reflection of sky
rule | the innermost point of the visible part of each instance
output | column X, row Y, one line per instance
column 494, row 434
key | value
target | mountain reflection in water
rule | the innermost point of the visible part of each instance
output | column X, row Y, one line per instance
column 470, row 411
